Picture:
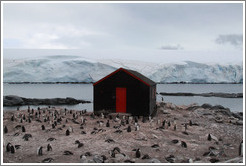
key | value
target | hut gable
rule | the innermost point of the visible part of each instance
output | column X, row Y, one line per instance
column 132, row 73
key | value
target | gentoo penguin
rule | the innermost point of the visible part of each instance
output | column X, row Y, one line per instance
column 137, row 128
column 12, row 118
column 23, row 129
column 67, row 132
column 102, row 115
column 175, row 127
column 12, row 149
column 241, row 148
column 163, row 123
column 183, row 144
column 5, row 129
column 209, row 137
column 43, row 127
column 185, row 126
column 107, row 124
column 129, row 129
column 40, row 151
column 127, row 121
column 8, row 147
column 138, row 153
column 190, row 123
column 169, row 123
column 49, row 148
column 53, row 126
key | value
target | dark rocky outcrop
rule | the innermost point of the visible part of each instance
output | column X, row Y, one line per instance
column 12, row 100
column 211, row 94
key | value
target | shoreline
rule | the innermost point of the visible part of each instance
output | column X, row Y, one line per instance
column 157, row 143
column 94, row 82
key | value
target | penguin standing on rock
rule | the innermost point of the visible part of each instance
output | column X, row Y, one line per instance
column 138, row 153
column 107, row 124
column 43, row 127
column 209, row 137
column 23, row 129
column 40, row 151
column 129, row 129
column 12, row 149
column 241, row 148
column 8, row 147
column 49, row 148
column 5, row 129
column 67, row 132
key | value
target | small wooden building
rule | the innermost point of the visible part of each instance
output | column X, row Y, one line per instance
column 125, row 91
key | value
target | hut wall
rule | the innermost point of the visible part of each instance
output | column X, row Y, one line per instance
column 137, row 94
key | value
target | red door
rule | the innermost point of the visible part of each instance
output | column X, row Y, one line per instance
column 121, row 100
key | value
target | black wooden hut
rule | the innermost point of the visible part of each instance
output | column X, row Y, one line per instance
column 125, row 91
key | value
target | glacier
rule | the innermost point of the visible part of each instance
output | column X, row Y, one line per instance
column 66, row 68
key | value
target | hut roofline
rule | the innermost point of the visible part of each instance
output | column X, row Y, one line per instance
column 132, row 73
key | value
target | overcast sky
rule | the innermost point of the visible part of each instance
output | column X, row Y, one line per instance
column 141, row 31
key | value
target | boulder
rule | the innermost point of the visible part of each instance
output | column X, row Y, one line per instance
column 154, row 160
column 12, row 100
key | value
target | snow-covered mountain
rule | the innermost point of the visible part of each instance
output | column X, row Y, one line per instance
column 62, row 68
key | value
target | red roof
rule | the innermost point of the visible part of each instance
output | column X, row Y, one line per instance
column 132, row 73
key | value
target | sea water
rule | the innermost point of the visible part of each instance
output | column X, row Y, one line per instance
column 85, row 92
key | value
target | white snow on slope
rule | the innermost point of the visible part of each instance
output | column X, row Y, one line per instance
column 61, row 68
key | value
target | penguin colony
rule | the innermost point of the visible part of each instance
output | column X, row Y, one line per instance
column 69, row 123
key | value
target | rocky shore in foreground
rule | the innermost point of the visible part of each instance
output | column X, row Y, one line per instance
column 176, row 134
column 12, row 100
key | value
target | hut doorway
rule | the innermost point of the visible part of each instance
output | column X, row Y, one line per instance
column 121, row 100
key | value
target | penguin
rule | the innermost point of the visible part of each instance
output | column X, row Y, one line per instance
column 49, row 148
column 5, row 129
column 129, row 129
column 163, row 123
column 183, row 144
column 21, row 121
column 136, row 119
column 23, row 129
column 53, row 126
column 8, row 149
column 241, row 148
column 209, row 137
column 169, row 123
column 190, row 123
column 185, row 126
column 24, row 117
column 43, row 127
column 80, row 145
column 12, row 149
column 107, row 124
column 102, row 115
column 127, row 121
column 137, row 128
column 138, row 153
column 12, row 118
column 67, row 132
column 40, row 151
column 29, row 120
column 175, row 127
column 162, row 99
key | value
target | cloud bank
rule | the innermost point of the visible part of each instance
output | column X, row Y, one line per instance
column 233, row 39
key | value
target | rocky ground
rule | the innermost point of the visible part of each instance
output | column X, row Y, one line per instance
column 92, row 141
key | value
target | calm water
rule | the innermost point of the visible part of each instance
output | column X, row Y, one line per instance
column 85, row 91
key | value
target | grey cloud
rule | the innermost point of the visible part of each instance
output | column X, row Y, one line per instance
column 171, row 47
column 233, row 39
